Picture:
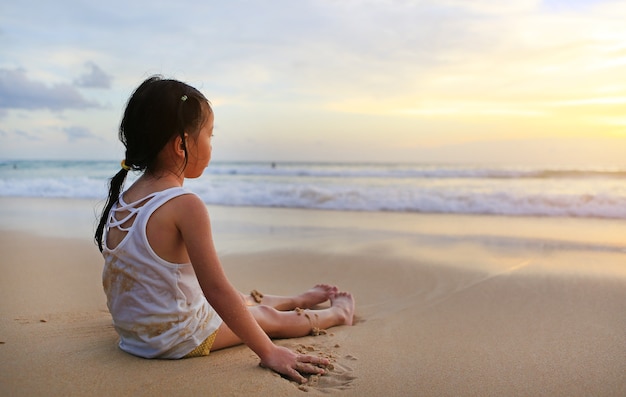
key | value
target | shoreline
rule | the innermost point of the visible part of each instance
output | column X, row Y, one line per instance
column 498, row 242
column 450, row 306
column 27, row 214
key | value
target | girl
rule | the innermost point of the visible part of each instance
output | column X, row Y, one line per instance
column 166, row 289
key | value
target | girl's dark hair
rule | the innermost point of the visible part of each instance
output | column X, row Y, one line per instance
column 156, row 112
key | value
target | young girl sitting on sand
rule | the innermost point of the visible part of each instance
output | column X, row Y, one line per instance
column 166, row 289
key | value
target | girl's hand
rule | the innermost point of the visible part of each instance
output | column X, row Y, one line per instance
column 292, row 365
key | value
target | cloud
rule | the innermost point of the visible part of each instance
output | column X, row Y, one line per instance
column 75, row 133
column 95, row 78
column 17, row 91
column 26, row 135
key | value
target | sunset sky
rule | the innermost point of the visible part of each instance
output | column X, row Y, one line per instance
column 472, row 81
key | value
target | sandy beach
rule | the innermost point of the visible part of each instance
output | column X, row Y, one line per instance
column 447, row 305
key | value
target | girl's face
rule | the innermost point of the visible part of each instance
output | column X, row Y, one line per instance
column 199, row 149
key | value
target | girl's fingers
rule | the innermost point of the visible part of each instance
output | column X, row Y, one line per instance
column 310, row 369
column 295, row 376
column 303, row 365
column 313, row 360
column 310, row 365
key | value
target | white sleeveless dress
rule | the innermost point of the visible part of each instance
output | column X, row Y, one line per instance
column 158, row 307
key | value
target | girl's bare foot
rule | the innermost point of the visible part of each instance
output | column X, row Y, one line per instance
column 344, row 303
column 316, row 295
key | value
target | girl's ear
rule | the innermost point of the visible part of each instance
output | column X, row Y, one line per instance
column 179, row 145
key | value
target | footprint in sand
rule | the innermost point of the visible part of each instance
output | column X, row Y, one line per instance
column 339, row 378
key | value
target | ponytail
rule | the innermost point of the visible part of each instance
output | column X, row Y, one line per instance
column 115, row 187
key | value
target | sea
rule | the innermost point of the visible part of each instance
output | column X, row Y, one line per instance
column 419, row 188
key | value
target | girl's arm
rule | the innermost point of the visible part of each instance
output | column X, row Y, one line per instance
column 194, row 225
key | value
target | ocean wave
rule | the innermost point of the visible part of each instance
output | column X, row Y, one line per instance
column 418, row 199
column 400, row 188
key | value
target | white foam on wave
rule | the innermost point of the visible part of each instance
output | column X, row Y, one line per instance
column 354, row 187
column 472, row 199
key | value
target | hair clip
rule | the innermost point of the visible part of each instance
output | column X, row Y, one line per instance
column 183, row 98
column 124, row 166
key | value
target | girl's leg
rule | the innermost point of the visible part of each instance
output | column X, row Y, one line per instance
column 293, row 324
column 306, row 300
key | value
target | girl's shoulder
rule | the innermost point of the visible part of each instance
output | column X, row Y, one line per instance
column 185, row 202
column 181, row 208
column 190, row 214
